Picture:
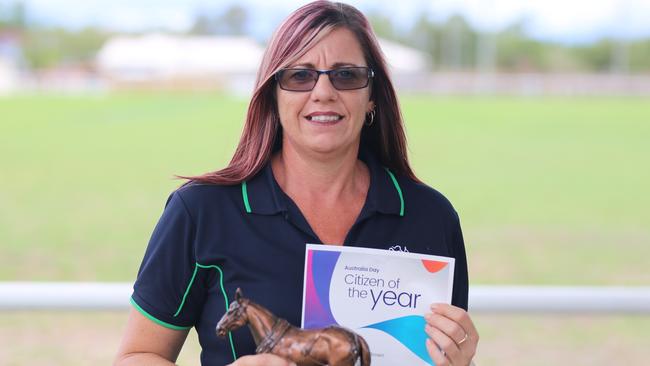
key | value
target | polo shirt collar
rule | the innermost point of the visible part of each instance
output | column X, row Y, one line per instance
column 385, row 194
column 262, row 195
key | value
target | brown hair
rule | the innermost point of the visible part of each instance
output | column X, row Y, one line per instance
column 262, row 134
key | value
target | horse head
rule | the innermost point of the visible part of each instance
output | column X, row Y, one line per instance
column 333, row 345
column 235, row 317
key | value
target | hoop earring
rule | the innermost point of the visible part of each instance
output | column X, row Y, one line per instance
column 372, row 118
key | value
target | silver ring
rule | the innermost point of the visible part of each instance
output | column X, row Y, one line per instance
column 464, row 339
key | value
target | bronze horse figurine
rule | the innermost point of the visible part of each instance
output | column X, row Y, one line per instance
column 333, row 345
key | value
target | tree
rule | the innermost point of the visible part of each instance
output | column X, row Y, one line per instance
column 382, row 26
column 596, row 57
column 486, row 52
column 13, row 16
column 458, row 44
column 203, row 24
column 518, row 52
column 620, row 57
column 639, row 56
column 49, row 47
column 233, row 22
column 425, row 36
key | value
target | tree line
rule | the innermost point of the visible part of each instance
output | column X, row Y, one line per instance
column 452, row 44
column 455, row 45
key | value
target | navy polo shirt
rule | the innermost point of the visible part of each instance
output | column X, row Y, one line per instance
column 212, row 239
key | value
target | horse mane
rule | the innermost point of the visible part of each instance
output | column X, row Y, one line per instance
column 261, row 309
column 278, row 330
column 263, row 317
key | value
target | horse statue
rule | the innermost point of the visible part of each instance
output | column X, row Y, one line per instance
column 333, row 345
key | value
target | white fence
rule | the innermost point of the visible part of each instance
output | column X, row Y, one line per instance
column 506, row 299
column 476, row 83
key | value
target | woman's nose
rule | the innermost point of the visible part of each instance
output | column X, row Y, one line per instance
column 324, row 90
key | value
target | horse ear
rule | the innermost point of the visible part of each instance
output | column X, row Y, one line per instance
column 238, row 294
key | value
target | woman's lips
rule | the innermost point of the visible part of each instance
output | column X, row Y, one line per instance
column 325, row 118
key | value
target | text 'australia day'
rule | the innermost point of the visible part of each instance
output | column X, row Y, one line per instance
column 377, row 292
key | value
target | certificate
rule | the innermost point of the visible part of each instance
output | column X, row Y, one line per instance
column 382, row 295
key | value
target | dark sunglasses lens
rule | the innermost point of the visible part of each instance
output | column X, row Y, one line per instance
column 349, row 78
column 346, row 78
column 294, row 79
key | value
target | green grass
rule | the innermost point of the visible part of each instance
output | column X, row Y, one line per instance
column 550, row 191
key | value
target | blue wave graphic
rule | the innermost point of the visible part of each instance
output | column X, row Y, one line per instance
column 409, row 331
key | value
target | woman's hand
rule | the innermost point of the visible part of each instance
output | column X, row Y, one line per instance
column 452, row 335
column 264, row 359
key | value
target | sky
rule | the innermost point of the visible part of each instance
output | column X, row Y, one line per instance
column 566, row 21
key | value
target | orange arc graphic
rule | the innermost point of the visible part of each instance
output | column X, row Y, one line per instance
column 433, row 266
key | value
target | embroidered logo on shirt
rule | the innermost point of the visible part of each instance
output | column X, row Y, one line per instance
column 398, row 248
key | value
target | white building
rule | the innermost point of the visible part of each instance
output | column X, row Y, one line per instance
column 226, row 62
column 403, row 60
column 410, row 68
column 10, row 60
column 229, row 63
column 8, row 77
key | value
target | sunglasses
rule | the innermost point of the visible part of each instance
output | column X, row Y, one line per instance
column 344, row 78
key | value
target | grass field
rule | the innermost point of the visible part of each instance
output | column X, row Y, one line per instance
column 550, row 191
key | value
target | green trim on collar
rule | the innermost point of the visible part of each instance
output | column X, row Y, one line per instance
column 399, row 191
column 244, row 193
column 153, row 319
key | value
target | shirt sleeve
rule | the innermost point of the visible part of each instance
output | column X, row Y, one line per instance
column 165, row 290
column 460, row 292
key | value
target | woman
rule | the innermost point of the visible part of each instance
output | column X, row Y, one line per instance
column 322, row 159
